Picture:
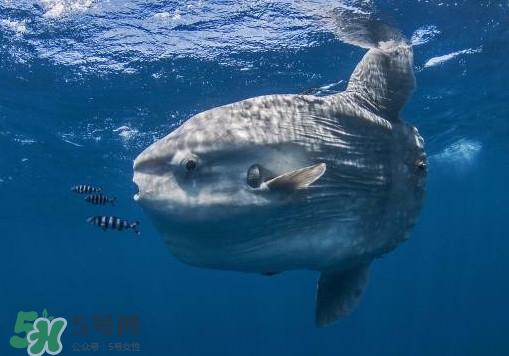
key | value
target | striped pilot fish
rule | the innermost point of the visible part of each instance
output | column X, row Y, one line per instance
column 99, row 199
column 112, row 222
column 85, row 189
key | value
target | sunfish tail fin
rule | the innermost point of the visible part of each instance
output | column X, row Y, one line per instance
column 339, row 293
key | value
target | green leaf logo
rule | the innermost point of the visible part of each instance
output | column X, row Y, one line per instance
column 45, row 315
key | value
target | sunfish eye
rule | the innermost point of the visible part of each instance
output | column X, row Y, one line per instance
column 190, row 163
column 254, row 176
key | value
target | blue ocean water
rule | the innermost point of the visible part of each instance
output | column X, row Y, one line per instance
column 86, row 85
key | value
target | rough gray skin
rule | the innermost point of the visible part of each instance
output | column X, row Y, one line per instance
column 362, row 207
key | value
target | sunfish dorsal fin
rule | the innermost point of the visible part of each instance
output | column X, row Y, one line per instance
column 384, row 79
column 298, row 179
column 338, row 293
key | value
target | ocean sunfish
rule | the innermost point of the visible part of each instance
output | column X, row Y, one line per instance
column 282, row 182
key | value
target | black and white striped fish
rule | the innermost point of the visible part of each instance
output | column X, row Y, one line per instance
column 112, row 222
column 85, row 189
column 99, row 199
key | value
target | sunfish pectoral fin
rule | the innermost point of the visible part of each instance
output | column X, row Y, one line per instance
column 299, row 179
column 338, row 293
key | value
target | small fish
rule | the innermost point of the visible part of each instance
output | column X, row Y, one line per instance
column 112, row 222
column 87, row 189
column 99, row 199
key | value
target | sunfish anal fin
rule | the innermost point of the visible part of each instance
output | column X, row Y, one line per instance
column 338, row 293
column 298, row 179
